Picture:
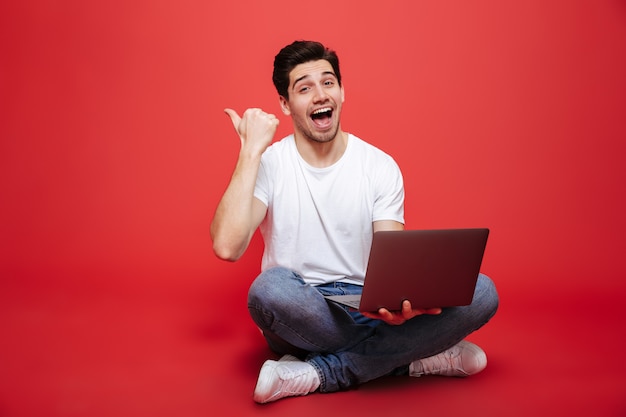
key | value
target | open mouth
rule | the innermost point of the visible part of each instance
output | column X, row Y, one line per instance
column 322, row 118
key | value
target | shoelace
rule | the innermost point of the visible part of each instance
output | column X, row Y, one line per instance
column 442, row 362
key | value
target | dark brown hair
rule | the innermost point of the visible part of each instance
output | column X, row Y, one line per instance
column 300, row 52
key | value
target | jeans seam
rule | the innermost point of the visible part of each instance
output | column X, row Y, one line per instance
column 279, row 322
column 320, row 374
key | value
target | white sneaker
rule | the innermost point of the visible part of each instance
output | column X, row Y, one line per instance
column 463, row 359
column 287, row 377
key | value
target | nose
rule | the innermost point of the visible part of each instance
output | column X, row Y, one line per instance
column 320, row 93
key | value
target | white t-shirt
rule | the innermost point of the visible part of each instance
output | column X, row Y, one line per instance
column 319, row 220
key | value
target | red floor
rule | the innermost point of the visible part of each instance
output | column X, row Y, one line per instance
column 98, row 344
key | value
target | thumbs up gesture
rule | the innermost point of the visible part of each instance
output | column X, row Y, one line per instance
column 255, row 128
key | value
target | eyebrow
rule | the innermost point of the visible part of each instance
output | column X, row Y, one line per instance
column 308, row 75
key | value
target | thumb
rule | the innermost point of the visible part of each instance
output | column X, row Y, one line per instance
column 234, row 117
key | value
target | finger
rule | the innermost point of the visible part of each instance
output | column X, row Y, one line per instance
column 385, row 314
column 234, row 117
column 273, row 118
column 406, row 308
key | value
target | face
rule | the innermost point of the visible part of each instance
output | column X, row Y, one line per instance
column 315, row 100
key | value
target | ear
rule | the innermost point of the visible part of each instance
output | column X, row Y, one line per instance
column 284, row 105
column 343, row 94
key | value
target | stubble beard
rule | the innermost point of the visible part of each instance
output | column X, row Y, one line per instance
column 324, row 137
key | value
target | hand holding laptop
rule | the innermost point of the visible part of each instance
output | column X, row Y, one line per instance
column 399, row 317
column 426, row 267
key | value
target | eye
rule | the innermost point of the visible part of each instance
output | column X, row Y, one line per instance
column 329, row 83
column 304, row 88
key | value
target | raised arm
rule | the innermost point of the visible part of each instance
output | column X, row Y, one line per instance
column 239, row 213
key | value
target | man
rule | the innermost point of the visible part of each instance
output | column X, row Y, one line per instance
column 318, row 196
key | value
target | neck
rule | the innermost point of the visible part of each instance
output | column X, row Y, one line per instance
column 322, row 154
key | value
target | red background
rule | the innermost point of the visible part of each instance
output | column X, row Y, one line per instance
column 114, row 151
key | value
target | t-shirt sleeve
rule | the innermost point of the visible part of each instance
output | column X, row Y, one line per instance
column 261, row 188
column 389, row 198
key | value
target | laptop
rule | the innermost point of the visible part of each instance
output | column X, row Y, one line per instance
column 430, row 268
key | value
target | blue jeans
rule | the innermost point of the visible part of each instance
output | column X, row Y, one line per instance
column 345, row 347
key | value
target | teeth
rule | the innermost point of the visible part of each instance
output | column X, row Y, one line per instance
column 324, row 110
